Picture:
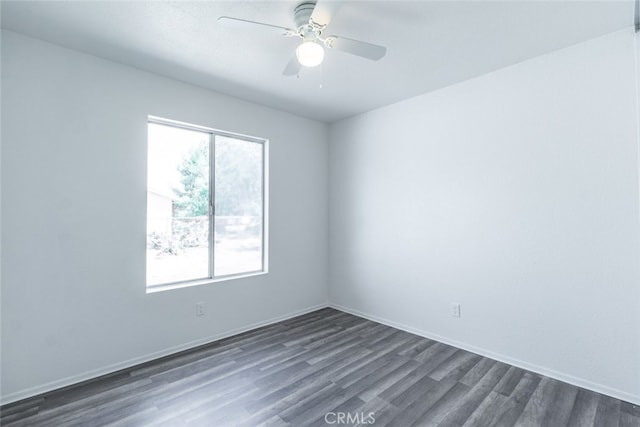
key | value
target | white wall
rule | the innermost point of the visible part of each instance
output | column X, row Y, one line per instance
column 514, row 194
column 74, row 156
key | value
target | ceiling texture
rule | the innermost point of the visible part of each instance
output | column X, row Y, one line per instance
column 431, row 44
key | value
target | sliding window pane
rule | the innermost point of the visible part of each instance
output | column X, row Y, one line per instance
column 238, row 246
column 178, row 198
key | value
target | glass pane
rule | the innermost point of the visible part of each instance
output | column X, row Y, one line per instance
column 177, row 205
column 238, row 206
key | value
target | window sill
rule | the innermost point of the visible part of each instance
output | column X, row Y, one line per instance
column 180, row 285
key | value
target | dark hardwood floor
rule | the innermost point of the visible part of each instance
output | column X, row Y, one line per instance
column 317, row 370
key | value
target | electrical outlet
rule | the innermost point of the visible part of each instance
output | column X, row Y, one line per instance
column 199, row 309
column 455, row 309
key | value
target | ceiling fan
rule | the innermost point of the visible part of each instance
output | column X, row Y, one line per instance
column 311, row 19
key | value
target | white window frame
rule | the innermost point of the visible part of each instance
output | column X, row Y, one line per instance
column 265, row 205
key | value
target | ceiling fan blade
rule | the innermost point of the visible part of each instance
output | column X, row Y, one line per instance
column 293, row 67
column 324, row 11
column 252, row 25
column 356, row 47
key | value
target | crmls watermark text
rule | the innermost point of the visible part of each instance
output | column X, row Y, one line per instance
column 350, row 418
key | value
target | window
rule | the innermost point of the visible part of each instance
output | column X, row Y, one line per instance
column 205, row 204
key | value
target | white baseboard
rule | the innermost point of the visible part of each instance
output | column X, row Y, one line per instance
column 579, row 382
column 64, row 382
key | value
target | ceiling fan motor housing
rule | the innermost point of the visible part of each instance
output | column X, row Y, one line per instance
column 302, row 13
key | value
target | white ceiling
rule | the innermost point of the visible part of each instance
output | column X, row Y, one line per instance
column 431, row 44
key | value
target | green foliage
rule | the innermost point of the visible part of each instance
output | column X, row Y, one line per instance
column 193, row 199
column 238, row 180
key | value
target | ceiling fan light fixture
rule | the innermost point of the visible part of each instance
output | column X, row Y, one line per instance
column 310, row 54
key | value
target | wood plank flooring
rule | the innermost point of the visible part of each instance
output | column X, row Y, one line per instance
column 313, row 369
